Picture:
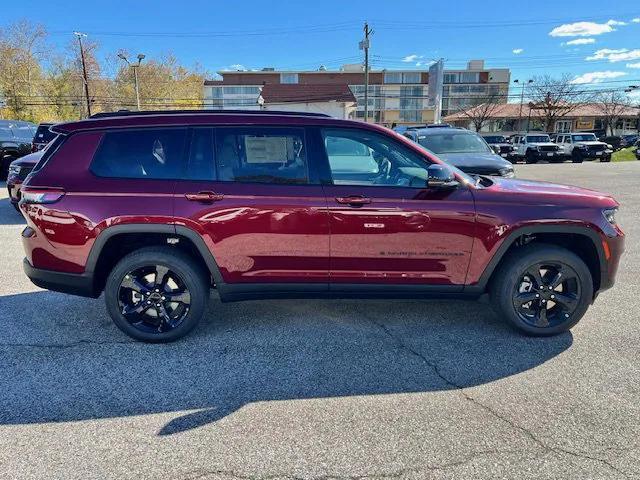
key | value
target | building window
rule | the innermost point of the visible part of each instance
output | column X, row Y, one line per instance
column 450, row 78
column 412, row 77
column 469, row 77
column 393, row 77
column 288, row 78
column 216, row 92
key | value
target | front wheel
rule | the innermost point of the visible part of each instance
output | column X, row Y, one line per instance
column 157, row 294
column 530, row 157
column 576, row 156
column 605, row 159
column 542, row 289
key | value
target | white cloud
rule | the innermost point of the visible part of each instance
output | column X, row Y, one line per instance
column 236, row 67
column 635, row 20
column 580, row 41
column 633, row 65
column 613, row 55
column 411, row 58
column 597, row 77
column 584, row 29
column 518, row 51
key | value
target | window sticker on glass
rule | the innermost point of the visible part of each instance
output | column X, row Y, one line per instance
column 266, row 149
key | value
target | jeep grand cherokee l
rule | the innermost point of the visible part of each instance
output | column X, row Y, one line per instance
column 155, row 209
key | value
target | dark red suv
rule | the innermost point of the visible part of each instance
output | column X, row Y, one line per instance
column 156, row 208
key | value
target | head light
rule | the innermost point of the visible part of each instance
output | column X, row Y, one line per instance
column 610, row 215
column 507, row 172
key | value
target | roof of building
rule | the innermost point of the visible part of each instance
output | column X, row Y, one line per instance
column 302, row 93
column 512, row 110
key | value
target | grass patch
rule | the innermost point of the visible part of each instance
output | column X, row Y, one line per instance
column 624, row 155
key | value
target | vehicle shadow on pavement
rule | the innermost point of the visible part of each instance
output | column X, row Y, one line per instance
column 8, row 214
column 63, row 360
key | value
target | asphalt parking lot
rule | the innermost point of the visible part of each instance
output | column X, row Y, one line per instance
column 324, row 389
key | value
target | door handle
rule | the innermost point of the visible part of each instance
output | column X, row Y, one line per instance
column 204, row 197
column 354, row 200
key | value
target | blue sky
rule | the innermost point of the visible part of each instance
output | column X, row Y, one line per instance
column 304, row 34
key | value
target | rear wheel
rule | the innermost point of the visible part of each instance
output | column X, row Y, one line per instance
column 606, row 159
column 157, row 294
column 542, row 290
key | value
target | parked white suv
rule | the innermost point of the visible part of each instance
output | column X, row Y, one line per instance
column 536, row 146
column 583, row 146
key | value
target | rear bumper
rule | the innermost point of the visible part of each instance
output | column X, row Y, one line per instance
column 80, row 284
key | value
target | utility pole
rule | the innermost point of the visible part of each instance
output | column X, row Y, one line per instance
column 134, row 66
column 364, row 45
column 521, row 102
column 84, row 72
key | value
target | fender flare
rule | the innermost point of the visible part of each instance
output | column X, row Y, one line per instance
column 592, row 234
column 168, row 229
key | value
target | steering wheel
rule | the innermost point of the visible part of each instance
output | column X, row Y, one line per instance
column 384, row 172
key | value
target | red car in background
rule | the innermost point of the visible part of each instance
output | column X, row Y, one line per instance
column 156, row 208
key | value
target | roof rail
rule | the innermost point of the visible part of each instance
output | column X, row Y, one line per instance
column 132, row 113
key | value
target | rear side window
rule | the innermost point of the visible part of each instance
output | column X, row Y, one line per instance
column 262, row 155
column 155, row 153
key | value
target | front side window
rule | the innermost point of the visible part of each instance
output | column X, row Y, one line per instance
column 360, row 157
column 454, row 142
column 262, row 155
column 154, row 153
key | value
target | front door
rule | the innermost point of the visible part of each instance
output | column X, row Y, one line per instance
column 253, row 197
column 386, row 226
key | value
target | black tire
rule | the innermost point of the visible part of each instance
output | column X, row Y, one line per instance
column 530, row 157
column 508, row 290
column 576, row 156
column 183, row 271
column 605, row 159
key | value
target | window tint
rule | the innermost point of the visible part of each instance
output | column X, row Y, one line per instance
column 201, row 162
column 153, row 153
column 263, row 155
column 359, row 157
column 457, row 142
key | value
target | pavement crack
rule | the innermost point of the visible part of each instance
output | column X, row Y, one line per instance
column 461, row 390
column 62, row 346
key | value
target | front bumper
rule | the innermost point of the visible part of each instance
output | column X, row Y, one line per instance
column 80, row 284
column 544, row 155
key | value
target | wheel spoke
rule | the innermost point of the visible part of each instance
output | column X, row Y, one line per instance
column 179, row 297
column 534, row 272
column 134, row 283
column 526, row 297
column 138, row 308
column 568, row 301
column 165, row 319
column 542, row 320
column 162, row 276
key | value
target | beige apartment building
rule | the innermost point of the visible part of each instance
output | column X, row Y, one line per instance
column 396, row 97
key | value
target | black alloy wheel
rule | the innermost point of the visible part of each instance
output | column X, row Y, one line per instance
column 154, row 299
column 547, row 294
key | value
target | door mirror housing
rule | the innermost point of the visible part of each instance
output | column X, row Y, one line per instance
column 439, row 176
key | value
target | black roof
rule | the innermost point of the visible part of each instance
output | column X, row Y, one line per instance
column 135, row 113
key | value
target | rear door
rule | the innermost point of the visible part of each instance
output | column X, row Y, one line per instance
column 254, row 197
column 386, row 227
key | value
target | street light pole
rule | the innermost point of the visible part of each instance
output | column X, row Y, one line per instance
column 134, row 67
column 522, row 101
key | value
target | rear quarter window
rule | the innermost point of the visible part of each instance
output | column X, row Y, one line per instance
column 156, row 153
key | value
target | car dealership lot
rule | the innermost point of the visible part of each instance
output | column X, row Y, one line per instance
column 324, row 388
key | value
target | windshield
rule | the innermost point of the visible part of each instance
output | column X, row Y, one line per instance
column 6, row 134
column 538, row 138
column 458, row 142
column 495, row 139
column 43, row 134
column 585, row 137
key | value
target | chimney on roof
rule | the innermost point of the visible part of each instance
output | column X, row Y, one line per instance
column 475, row 65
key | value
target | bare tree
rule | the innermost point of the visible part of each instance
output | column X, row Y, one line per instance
column 481, row 113
column 556, row 97
column 612, row 106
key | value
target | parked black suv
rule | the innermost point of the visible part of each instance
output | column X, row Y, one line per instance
column 15, row 142
column 463, row 149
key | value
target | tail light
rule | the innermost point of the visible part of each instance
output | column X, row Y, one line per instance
column 41, row 195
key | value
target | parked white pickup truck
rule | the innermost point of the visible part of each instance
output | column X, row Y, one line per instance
column 583, row 146
column 533, row 147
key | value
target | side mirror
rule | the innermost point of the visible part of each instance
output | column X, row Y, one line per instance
column 495, row 148
column 439, row 176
